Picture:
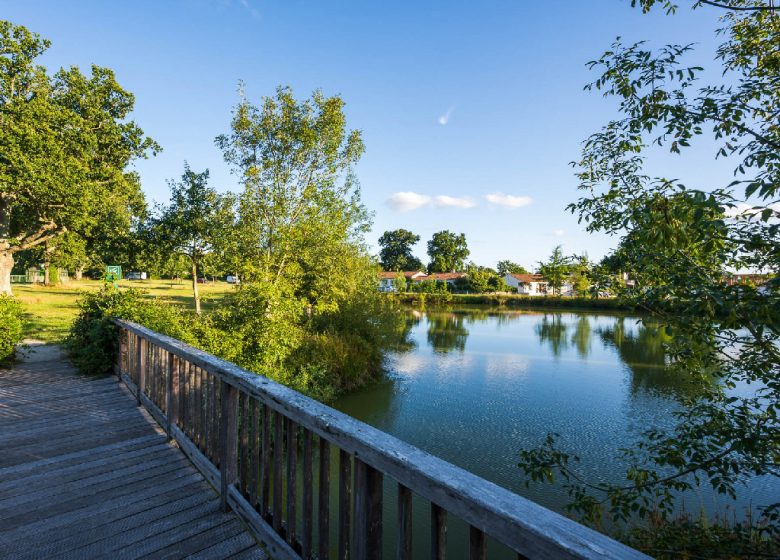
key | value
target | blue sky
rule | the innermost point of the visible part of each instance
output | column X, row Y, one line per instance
column 470, row 111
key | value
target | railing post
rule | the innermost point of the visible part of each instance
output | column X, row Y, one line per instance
column 368, row 512
column 121, row 353
column 141, row 369
column 228, row 427
column 172, row 402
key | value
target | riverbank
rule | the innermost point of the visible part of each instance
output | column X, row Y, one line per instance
column 510, row 301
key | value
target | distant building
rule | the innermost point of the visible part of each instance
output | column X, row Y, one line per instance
column 387, row 279
column 528, row 284
column 449, row 277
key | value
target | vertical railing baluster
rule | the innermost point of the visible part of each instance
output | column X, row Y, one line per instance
column 345, row 499
column 278, row 447
column 292, row 472
column 404, row 523
column 254, row 451
column 141, row 369
column 308, row 498
column 213, row 416
column 229, row 439
column 244, row 453
column 367, row 539
column 120, row 353
column 438, row 532
column 477, row 544
column 265, row 485
column 173, row 391
column 324, row 499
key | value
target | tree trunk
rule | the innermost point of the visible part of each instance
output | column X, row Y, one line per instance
column 195, row 287
column 6, row 256
column 46, row 265
column 6, row 265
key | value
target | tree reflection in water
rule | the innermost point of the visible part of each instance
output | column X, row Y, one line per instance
column 447, row 332
column 640, row 346
column 552, row 330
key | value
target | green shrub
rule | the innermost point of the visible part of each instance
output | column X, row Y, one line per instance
column 10, row 326
column 92, row 343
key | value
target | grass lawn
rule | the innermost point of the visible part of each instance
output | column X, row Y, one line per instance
column 49, row 311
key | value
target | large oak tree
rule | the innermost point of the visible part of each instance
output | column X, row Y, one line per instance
column 65, row 147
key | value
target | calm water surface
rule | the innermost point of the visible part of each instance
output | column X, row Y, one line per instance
column 476, row 386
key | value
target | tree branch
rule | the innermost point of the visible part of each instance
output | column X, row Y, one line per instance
column 47, row 232
column 738, row 8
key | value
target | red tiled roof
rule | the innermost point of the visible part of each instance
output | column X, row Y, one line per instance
column 407, row 274
column 526, row 278
column 445, row 276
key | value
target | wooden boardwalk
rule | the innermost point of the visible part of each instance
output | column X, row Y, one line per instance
column 85, row 473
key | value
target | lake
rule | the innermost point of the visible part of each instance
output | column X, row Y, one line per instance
column 476, row 386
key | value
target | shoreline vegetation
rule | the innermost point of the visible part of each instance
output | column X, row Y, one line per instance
column 416, row 299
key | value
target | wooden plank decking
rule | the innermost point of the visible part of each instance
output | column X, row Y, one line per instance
column 85, row 473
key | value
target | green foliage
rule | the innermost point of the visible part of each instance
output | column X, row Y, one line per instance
column 399, row 282
column 396, row 251
column 448, row 252
column 430, row 287
column 680, row 243
column 689, row 536
column 581, row 276
column 509, row 267
column 92, row 343
column 10, row 326
column 190, row 225
column 300, row 204
column 556, row 269
column 66, row 142
column 482, row 279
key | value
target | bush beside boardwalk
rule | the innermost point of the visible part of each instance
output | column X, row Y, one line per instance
column 511, row 300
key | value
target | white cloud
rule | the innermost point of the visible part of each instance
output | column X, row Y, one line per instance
column 743, row 209
column 559, row 233
column 406, row 201
column 445, row 118
column 444, row 201
column 508, row 200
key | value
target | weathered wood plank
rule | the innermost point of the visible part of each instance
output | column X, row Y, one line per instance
column 292, row 471
column 477, row 544
column 438, row 532
column 323, row 523
column 404, row 523
column 229, row 439
column 94, row 460
column 345, row 499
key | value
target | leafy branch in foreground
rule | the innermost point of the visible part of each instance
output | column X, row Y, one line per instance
column 680, row 244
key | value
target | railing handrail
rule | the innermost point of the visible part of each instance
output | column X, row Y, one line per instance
column 517, row 522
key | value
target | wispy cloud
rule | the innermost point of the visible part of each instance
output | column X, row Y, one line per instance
column 254, row 12
column 407, row 201
column 508, row 200
column 559, row 233
column 445, row 118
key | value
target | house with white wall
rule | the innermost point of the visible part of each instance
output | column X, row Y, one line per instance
column 387, row 279
column 528, row 284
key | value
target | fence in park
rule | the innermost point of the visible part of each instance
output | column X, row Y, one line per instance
column 312, row 482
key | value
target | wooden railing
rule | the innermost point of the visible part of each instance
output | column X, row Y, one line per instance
column 310, row 481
